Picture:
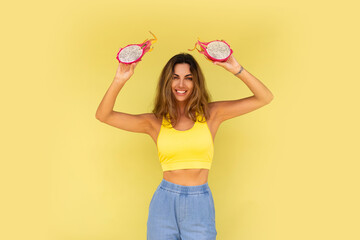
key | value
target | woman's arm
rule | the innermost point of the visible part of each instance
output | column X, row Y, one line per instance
column 261, row 92
column 123, row 74
column 129, row 122
column 229, row 109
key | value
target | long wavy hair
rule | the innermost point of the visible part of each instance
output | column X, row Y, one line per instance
column 197, row 103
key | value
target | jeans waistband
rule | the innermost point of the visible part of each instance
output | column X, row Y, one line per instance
column 184, row 189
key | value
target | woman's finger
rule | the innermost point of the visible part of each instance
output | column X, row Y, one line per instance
column 133, row 65
column 220, row 64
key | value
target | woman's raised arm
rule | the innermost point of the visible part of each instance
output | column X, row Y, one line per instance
column 229, row 109
column 105, row 113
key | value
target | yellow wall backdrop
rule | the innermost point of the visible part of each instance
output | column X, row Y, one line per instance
column 289, row 170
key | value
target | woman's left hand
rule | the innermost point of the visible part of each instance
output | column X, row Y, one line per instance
column 231, row 65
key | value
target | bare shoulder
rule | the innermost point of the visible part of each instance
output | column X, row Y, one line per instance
column 153, row 120
column 155, row 125
column 212, row 110
column 211, row 106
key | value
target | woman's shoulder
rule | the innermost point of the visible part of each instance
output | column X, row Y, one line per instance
column 154, row 120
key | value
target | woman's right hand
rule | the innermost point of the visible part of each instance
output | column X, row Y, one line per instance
column 125, row 71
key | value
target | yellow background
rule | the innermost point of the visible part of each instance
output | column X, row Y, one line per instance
column 289, row 170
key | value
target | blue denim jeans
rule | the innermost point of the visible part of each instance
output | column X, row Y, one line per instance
column 181, row 212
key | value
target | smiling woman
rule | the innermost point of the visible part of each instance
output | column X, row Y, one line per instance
column 183, row 125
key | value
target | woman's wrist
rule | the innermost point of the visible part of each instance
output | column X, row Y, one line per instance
column 120, row 80
column 239, row 70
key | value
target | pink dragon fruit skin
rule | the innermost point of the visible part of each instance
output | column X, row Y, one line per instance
column 141, row 49
column 204, row 50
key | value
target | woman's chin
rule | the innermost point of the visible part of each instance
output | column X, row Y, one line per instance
column 181, row 98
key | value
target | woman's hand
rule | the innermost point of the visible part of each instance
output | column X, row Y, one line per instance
column 125, row 71
column 231, row 65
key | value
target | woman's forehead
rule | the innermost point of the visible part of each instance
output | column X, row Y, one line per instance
column 182, row 68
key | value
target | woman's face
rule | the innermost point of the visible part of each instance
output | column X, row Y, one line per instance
column 182, row 80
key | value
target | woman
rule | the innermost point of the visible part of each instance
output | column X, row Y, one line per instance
column 183, row 125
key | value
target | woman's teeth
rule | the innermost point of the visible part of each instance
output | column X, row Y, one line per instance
column 181, row 91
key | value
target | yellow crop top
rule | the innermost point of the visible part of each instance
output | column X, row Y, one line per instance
column 192, row 148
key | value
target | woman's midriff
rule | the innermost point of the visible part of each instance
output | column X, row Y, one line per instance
column 187, row 177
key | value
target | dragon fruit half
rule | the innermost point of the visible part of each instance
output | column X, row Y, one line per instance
column 217, row 50
column 134, row 52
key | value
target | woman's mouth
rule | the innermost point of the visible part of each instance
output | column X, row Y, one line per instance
column 180, row 92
